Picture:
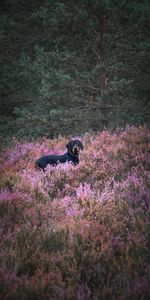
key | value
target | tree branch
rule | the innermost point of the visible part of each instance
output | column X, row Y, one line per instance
column 24, row 86
column 129, row 31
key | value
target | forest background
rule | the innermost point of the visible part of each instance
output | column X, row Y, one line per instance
column 71, row 66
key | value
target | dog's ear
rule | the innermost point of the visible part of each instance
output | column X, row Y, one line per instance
column 80, row 145
column 68, row 146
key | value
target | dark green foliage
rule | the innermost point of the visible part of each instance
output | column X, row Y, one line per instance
column 73, row 66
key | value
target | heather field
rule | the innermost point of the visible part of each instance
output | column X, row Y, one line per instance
column 77, row 232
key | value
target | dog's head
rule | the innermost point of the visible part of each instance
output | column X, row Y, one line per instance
column 74, row 147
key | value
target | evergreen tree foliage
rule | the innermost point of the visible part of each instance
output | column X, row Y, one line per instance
column 73, row 66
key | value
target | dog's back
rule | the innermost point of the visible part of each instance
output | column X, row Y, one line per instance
column 43, row 161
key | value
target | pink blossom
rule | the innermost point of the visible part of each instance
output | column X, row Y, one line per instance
column 84, row 192
column 84, row 293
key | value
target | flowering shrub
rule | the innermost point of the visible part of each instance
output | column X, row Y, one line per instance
column 77, row 232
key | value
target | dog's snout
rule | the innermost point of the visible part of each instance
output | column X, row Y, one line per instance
column 76, row 150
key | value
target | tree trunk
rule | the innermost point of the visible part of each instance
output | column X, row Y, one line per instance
column 103, row 77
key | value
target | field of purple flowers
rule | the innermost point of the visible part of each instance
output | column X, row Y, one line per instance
column 77, row 232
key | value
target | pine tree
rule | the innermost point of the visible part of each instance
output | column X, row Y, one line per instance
column 77, row 65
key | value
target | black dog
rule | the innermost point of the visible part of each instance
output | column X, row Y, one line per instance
column 72, row 155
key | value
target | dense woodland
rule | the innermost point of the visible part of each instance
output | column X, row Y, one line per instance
column 72, row 66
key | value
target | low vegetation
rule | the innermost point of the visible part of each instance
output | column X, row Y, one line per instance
column 77, row 232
